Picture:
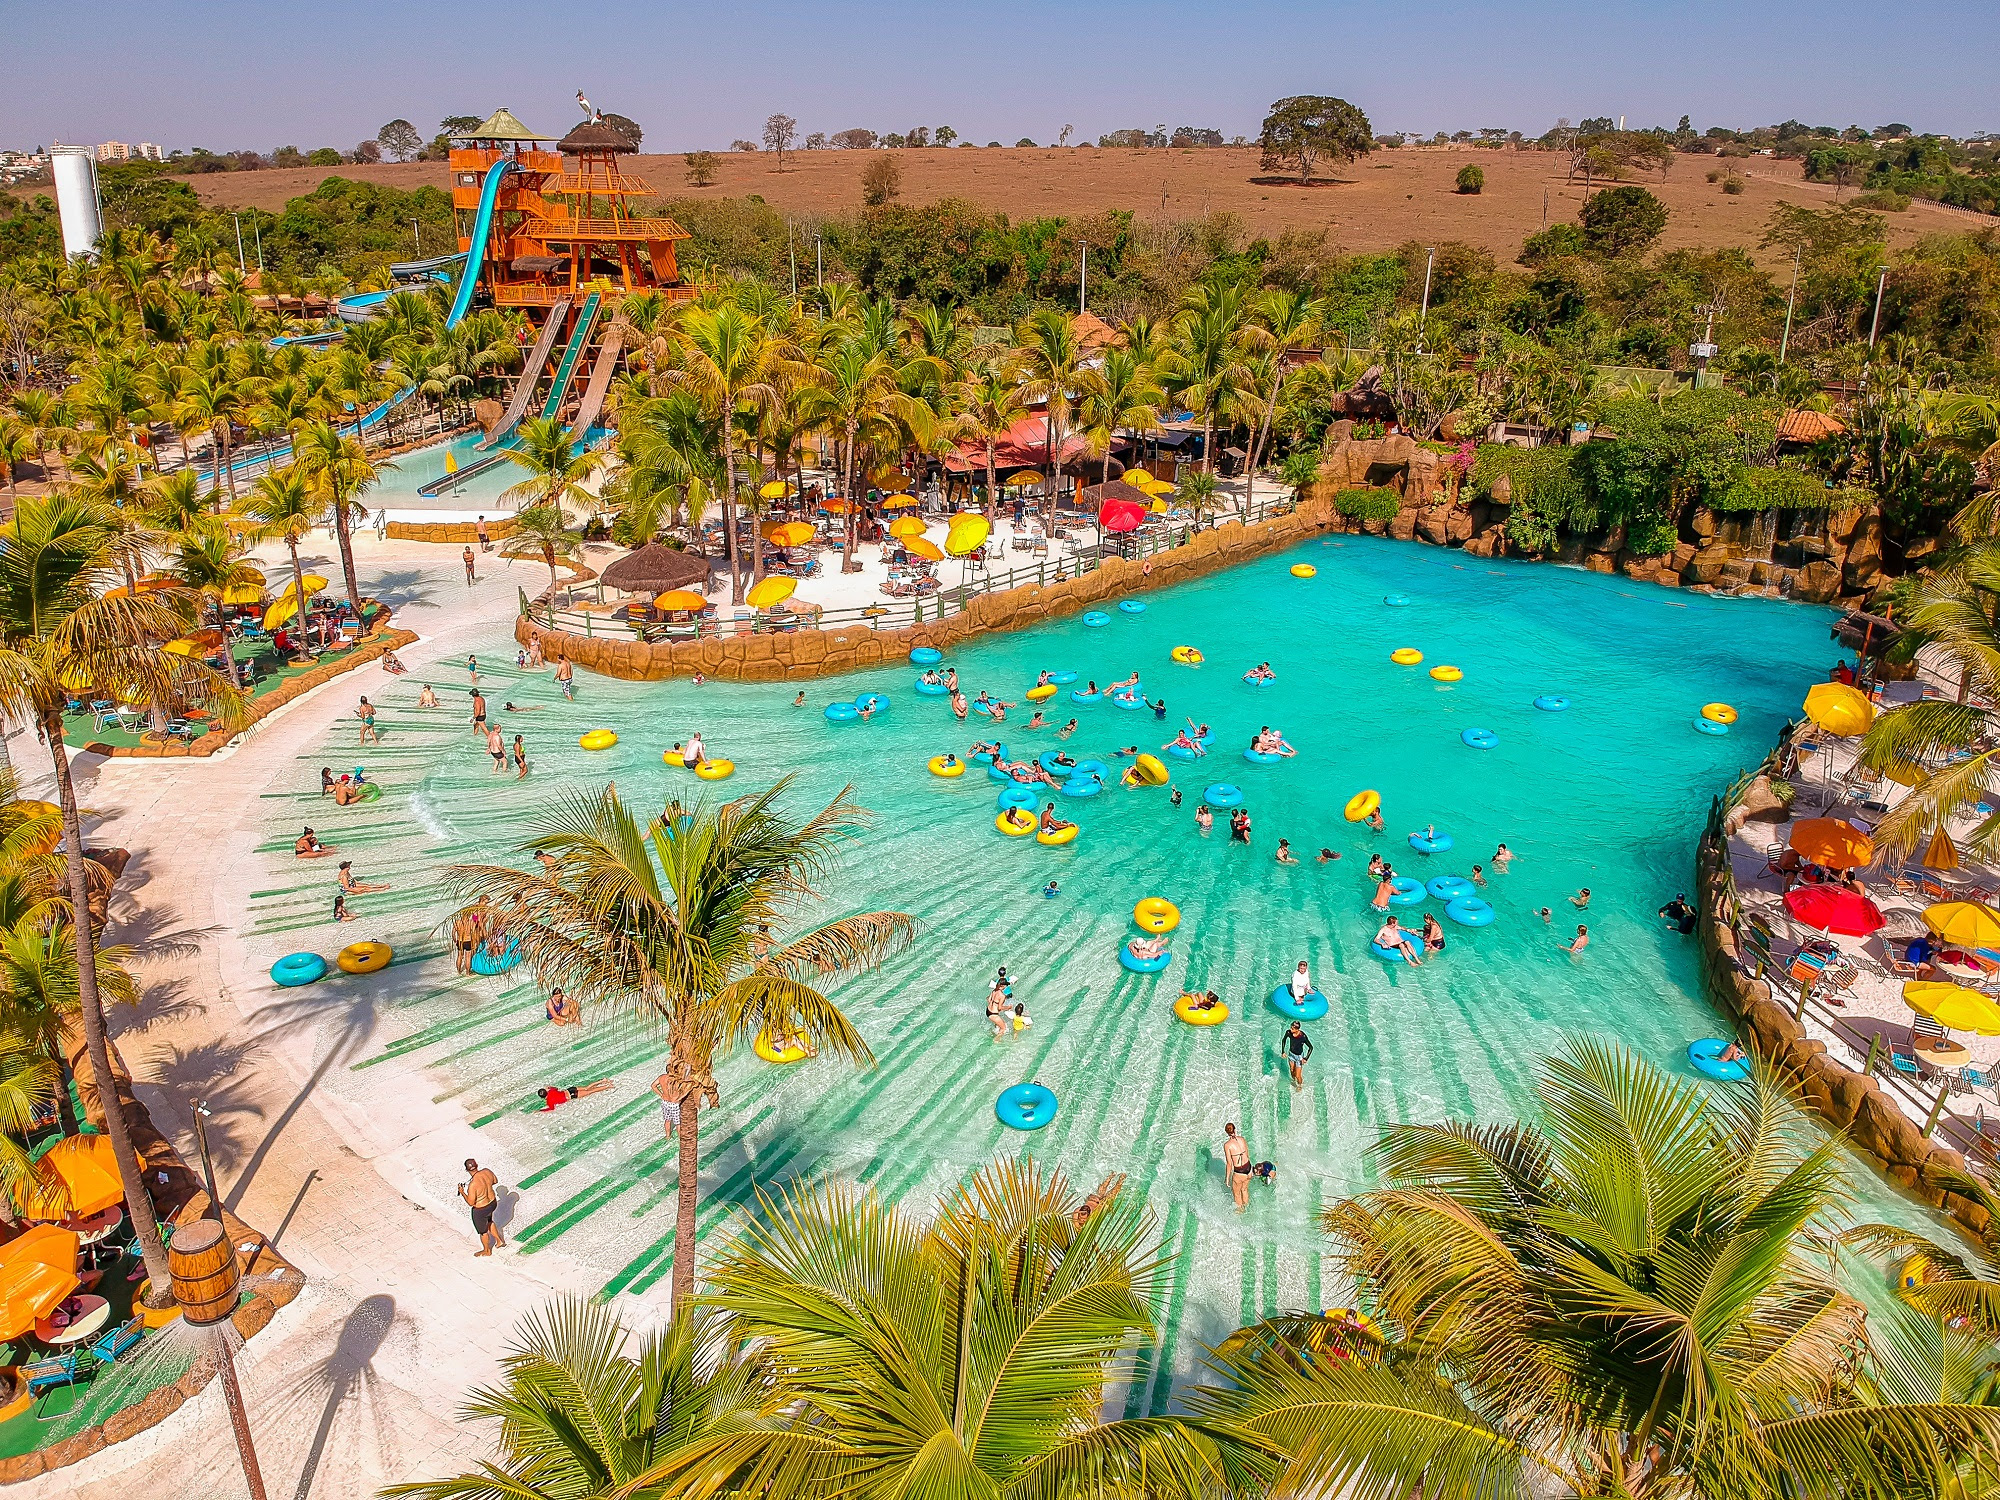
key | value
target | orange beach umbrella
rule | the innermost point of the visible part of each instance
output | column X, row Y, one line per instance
column 679, row 599
column 1831, row 842
column 906, row 526
column 37, row 1271
column 899, row 502
column 917, row 546
column 86, row 1180
column 790, row 533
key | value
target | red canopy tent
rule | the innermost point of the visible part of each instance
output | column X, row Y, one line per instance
column 1026, row 446
column 1832, row 909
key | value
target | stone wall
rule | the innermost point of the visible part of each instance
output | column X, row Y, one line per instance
column 802, row 654
column 1845, row 564
column 1846, row 1099
column 460, row 533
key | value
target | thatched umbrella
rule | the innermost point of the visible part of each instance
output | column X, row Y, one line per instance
column 654, row 569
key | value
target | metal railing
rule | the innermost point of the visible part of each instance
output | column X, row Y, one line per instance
column 894, row 612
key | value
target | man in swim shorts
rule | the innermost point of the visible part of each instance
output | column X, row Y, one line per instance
column 694, row 754
column 1296, row 1047
column 497, row 748
column 1236, row 1162
column 1374, row 821
column 555, row 1095
column 481, row 1194
column 478, row 712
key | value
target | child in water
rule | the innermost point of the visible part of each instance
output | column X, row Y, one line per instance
column 1051, row 890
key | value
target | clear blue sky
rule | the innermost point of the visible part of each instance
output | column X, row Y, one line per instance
column 227, row 73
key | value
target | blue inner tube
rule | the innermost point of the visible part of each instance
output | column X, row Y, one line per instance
column 1395, row 601
column 1704, row 1057
column 1259, row 758
column 925, row 656
column 994, row 773
column 1260, row 682
column 1048, row 762
column 1480, row 739
column 1078, row 695
column 295, row 969
column 1179, row 752
column 1130, row 700
column 985, row 757
column 487, row 963
column 1026, row 1106
column 1223, row 794
column 1132, row 606
column 1015, row 796
column 1709, row 726
column 1063, row 678
column 878, row 702
column 1434, row 845
column 1309, row 1009
column 1081, row 786
column 1450, row 887
column 932, row 689
column 842, row 713
column 1095, row 618
column 1552, row 703
column 1405, row 890
column 1151, row 965
column 1387, row 955
column 1470, row 911
column 1092, row 767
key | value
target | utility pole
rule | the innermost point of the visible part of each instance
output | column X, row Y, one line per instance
column 819, row 263
column 1791, row 301
column 417, row 229
column 1875, row 323
column 1083, row 277
column 237, row 219
column 1423, row 313
column 257, row 234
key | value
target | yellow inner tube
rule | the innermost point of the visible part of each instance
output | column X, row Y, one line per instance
column 1215, row 1015
column 793, row 1051
column 364, row 958
column 1187, row 656
column 1406, row 656
column 674, row 758
column 1043, row 693
column 1720, row 713
column 1304, row 570
column 1157, row 914
column 1361, row 804
column 941, row 767
column 1913, row 1273
column 1446, row 674
column 1149, row 769
column 598, row 739
column 1015, row 821
column 715, row 770
column 1059, row 836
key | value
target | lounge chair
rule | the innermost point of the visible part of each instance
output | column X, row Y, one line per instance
column 109, row 1346
column 46, row 1374
column 1905, row 1062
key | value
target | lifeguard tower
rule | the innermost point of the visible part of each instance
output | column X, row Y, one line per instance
column 552, row 228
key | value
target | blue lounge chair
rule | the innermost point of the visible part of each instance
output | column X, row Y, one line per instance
column 110, row 1345
column 47, row 1374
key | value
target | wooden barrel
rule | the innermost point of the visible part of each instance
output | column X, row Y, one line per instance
column 205, row 1273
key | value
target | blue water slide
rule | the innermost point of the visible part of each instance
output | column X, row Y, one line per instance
column 482, row 227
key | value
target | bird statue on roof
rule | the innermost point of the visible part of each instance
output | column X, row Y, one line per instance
column 591, row 112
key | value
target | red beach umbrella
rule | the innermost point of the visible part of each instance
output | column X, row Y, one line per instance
column 1121, row 515
column 1832, row 909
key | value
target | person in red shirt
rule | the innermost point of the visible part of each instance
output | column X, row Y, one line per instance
column 553, row 1096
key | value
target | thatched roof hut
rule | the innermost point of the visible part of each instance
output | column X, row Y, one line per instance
column 653, row 569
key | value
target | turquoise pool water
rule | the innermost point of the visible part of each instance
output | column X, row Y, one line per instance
column 1609, row 795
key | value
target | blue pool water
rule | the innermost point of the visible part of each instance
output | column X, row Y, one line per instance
column 1609, row 794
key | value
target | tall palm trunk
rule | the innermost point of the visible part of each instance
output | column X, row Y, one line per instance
column 992, row 484
column 1257, row 441
column 228, row 469
column 729, row 513
column 1208, row 441
column 90, row 1006
column 686, row 1199
column 341, row 533
column 849, row 563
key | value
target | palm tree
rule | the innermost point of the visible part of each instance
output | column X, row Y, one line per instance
column 339, row 469
column 556, row 467
column 1049, row 362
column 582, row 1418
column 215, row 404
column 1123, row 394
column 56, row 559
column 1286, row 319
column 965, row 1357
column 47, row 420
column 1215, row 339
column 540, row 531
column 211, row 563
column 988, row 404
column 285, row 506
column 672, row 464
column 671, row 920
column 17, row 442
column 1627, row 1299
column 859, row 399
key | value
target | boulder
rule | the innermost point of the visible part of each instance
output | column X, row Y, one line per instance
column 1760, row 803
column 1459, row 524
column 1600, row 562
column 1701, row 521
column 1862, row 566
column 1501, row 491
column 1816, row 583
column 1434, row 524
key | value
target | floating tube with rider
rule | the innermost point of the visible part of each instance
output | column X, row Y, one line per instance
column 985, row 757
column 1058, row 836
column 1261, row 758
column 931, row 689
column 1151, row 965
column 792, row 1051
column 1311, row 1008
column 1015, row 822
column 1078, row 695
column 1430, row 843
column 1388, row 955
column 1208, row 1015
column 1026, row 1106
column 947, row 766
column 1187, row 656
column 1362, row 805
column 1705, row 1057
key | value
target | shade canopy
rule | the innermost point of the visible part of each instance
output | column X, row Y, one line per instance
column 967, row 534
column 1023, row 479
column 1952, row 1006
column 906, row 526
column 1905, row 773
column 1831, row 842
column 87, row 1174
column 311, row 582
column 834, row 507
column 918, row 546
column 243, row 593
column 280, row 612
column 766, row 592
column 182, row 647
column 1123, row 513
column 1942, row 853
column 1832, row 909
column 653, row 569
column 680, row 599
column 890, row 481
column 790, row 533
column 143, row 586
column 1970, row 924
column 899, row 502
column 37, row 1271
column 1839, row 709
column 774, row 489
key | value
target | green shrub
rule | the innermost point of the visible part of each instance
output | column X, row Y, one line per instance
column 1368, row 504
column 1774, row 489
column 1888, row 201
column 1732, row 186
column 1471, row 179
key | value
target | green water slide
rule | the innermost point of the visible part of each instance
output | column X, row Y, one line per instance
column 586, row 319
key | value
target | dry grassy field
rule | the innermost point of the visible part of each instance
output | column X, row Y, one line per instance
column 1378, row 203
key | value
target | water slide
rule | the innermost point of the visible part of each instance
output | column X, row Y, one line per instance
column 566, row 371
column 482, row 229
column 531, row 374
column 600, row 382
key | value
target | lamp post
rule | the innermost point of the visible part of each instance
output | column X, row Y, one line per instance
column 202, row 1264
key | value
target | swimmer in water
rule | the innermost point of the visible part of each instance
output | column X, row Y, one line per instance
column 1582, row 941
column 1581, row 899
column 1285, row 855
column 1174, row 797
column 1041, row 679
column 1502, row 857
column 1478, row 875
column 1384, row 890
column 1051, row 890
column 1326, row 856
column 1545, row 914
column 800, row 701
column 951, row 679
column 1376, row 865
column 1204, row 819
column 1433, row 935
column 1037, row 722
column 1374, row 821
column 958, row 706
column 1391, row 935
column 1067, row 730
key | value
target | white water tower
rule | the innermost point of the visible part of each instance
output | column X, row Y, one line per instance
column 75, row 169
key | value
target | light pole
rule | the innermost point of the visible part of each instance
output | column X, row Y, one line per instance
column 1875, row 323
column 206, row 1279
column 417, row 229
column 1083, row 278
column 241, row 265
column 257, row 235
column 1791, row 301
column 819, row 263
column 201, row 1113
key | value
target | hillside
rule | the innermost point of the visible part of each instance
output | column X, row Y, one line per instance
column 1381, row 202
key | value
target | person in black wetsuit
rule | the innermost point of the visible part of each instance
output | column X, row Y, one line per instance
column 1296, row 1047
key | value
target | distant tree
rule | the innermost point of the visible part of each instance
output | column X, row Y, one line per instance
column 1063, row 138
column 1552, row 244
column 1131, row 138
column 881, row 180
column 400, row 139
column 779, row 131
column 627, row 128
column 459, row 125
column 893, row 141
column 816, row 141
column 742, row 145
column 288, row 156
column 1622, row 220
column 368, row 152
column 700, row 168
column 920, row 136
column 326, row 156
column 1684, row 135
column 1471, row 179
column 992, row 145
column 1023, row 141
column 856, row 139
column 1300, row 130
column 944, row 135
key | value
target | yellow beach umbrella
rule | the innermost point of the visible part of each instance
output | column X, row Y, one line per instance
column 904, row 526
column 1970, row 924
column 1023, row 479
column 1160, row 487
column 916, row 546
column 1904, row 773
column 775, row 489
column 181, row 647
column 243, row 593
column 281, row 611
column 679, row 599
column 967, row 534
column 790, row 533
column 1839, row 709
column 1833, row 843
column 1952, row 1006
column 899, row 502
column 889, row 481
column 766, row 592
column 143, row 586
column 1138, row 476
column 1942, row 853
column 450, row 462
column 314, row 584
